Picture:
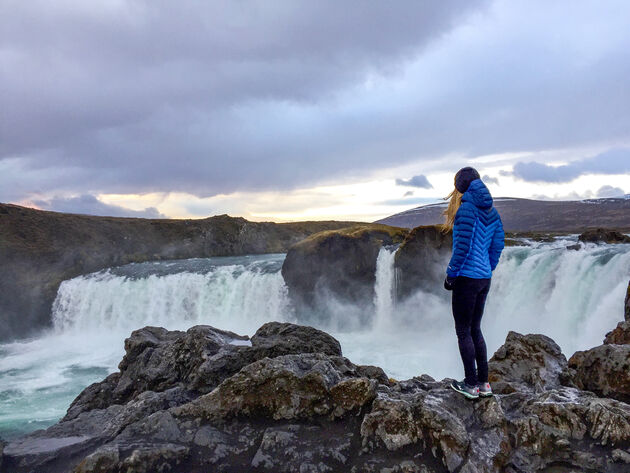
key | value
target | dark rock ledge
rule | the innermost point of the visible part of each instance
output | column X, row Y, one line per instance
column 286, row 400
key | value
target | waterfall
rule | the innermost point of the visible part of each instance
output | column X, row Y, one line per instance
column 384, row 288
column 575, row 297
column 237, row 297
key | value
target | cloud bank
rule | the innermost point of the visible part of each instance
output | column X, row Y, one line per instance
column 611, row 162
column 218, row 97
column 90, row 205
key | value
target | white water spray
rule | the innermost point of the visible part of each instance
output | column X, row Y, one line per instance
column 384, row 288
column 575, row 297
column 228, row 297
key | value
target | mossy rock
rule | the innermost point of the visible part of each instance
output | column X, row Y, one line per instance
column 341, row 263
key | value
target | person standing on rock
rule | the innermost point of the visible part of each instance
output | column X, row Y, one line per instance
column 478, row 240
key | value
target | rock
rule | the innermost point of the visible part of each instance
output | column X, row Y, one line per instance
column 620, row 335
column 621, row 456
column 431, row 417
column 286, row 387
column 282, row 449
column 565, row 426
column 340, row 263
column 421, row 260
column 603, row 235
column 41, row 249
column 318, row 412
column 195, row 361
column 627, row 305
column 527, row 363
column 284, row 338
column 604, row 370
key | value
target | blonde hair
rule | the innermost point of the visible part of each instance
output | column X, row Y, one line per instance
column 455, row 201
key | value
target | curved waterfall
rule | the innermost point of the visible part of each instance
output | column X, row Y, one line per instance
column 575, row 297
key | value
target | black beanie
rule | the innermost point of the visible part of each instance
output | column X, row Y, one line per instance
column 464, row 177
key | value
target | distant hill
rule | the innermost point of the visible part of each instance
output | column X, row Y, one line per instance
column 524, row 215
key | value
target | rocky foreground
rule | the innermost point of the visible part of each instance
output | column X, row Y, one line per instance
column 286, row 400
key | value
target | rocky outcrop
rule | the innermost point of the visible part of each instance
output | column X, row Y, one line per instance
column 627, row 305
column 603, row 235
column 604, row 370
column 205, row 400
column 194, row 362
column 421, row 260
column 527, row 363
column 39, row 250
column 620, row 335
column 339, row 264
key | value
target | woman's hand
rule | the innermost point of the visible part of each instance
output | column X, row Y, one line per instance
column 449, row 282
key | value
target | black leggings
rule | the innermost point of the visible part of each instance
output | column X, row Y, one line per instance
column 469, row 299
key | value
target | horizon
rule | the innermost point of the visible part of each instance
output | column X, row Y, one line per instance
column 295, row 111
column 442, row 202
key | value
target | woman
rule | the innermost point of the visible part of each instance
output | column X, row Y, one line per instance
column 478, row 240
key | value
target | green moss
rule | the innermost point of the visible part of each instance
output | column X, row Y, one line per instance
column 396, row 234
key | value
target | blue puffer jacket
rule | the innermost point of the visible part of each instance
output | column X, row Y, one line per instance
column 478, row 236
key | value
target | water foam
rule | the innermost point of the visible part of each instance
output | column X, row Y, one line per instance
column 573, row 296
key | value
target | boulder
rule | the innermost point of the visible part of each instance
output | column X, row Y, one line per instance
column 275, row 338
column 527, row 363
column 604, row 370
column 567, row 427
column 195, row 361
column 421, row 260
column 620, row 335
column 286, row 387
column 603, row 235
column 338, row 263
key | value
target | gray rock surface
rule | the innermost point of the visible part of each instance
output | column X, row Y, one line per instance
column 285, row 410
column 527, row 363
column 603, row 235
column 195, row 361
column 620, row 335
column 627, row 304
column 604, row 370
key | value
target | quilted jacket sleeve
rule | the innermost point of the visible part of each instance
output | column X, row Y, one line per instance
column 462, row 235
column 497, row 244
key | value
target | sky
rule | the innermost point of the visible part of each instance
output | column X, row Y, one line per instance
column 291, row 110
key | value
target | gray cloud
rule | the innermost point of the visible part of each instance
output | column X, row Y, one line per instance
column 416, row 181
column 615, row 161
column 408, row 193
column 491, row 180
column 89, row 204
column 610, row 191
column 215, row 97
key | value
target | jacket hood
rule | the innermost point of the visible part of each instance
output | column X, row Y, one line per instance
column 478, row 194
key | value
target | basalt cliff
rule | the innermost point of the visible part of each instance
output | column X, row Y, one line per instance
column 287, row 400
